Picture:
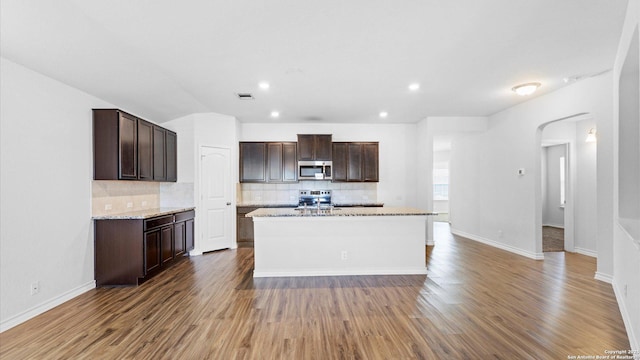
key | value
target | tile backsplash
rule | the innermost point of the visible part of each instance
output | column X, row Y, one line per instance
column 113, row 197
column 176, row 194
column 288, row 193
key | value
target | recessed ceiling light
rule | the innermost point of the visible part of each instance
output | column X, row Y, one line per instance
column 414, row 86
column 275, row 114
column 384, row 114
column 526, row 89
column 264, row 85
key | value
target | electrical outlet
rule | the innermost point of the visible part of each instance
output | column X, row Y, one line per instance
column 344, row 255
column 35, row 287
column 144, row 203
column 500, row 234
column 129, row 204
column 108, row 207
column 625, row 290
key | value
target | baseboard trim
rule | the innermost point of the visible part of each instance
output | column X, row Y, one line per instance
column 587, row 252
column 46, row 306
column 345, row 272
column 626, row 318
column 513, row 249
column 554, row 226
column 604, row 277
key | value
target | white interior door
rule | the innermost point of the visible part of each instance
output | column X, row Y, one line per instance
column 215, row 199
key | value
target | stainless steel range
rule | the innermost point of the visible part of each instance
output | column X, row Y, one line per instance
column 314, row 198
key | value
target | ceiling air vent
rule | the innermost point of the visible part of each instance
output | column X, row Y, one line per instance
column 245, row 96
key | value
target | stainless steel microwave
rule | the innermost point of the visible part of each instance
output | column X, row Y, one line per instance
column 314, row 170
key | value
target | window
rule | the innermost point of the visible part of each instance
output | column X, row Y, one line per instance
column 563, row 200
column 440, row 184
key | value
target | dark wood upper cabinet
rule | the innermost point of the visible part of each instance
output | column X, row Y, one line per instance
column 355, row 161
column 115, row 145
column 274, row 162
column 159, row 154
column 339, row 161
column 314, row 147
column 128, row 148
column 145, row 150
column 172, row 156
column 306, row 144
column 370, row 155
column 289, row 162
column 253, row 160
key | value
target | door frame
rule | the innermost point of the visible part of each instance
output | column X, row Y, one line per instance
column 198, row 229
column 569, row 183
column 569, row 220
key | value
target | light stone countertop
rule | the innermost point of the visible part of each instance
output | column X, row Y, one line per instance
column 265, row 205
column 275, row 205
column 348, row 211
column 142, row 214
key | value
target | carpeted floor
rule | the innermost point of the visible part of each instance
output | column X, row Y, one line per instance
column 552, row 239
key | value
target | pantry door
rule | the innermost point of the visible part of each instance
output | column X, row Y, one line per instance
column 215, row 199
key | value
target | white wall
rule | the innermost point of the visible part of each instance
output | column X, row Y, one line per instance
column 626, row 256
column 490, row 202
column 586, row 202
column 46, row 232
column 397, row 151
column 428, row 129
column 194, row 131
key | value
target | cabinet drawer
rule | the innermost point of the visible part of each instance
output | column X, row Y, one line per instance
column 186, row 215
column 157, row 221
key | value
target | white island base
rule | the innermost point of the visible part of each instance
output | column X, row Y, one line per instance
column 339, row 245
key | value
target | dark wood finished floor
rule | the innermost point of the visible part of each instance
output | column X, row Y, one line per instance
column 552, row 239
column 477, row 302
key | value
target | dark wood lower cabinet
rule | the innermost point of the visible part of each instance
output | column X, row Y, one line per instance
column 166, row 241
column 189, row 235
column 244, row 230
column 130, row 251
column 179, row 235
column 151, row 251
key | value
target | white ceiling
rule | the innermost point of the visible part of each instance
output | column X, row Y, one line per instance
column 332, row 61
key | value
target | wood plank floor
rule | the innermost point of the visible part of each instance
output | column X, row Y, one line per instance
column 477, row 302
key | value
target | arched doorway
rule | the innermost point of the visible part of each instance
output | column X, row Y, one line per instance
column 578, row 205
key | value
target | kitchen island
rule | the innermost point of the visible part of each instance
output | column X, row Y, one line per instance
column 339, row 241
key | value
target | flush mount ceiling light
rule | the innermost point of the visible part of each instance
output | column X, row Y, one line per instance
column 526, row 89
column 591, row 135
column 384, row 114
column 275, row 114
column 264, row 85
column 414, row 87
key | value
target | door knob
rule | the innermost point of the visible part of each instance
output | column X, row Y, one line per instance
column 228, row 203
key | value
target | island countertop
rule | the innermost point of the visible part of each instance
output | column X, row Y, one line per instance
column 353, row 211
column 142, row 214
